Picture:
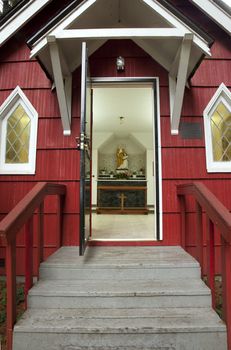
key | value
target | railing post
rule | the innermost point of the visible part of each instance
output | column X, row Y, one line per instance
column 199, row 237
column 40, row 243
column 60, row 202
column 226, row 286
column 183, row 220
column 11, row 291
column 28, row 256
column 211, row 258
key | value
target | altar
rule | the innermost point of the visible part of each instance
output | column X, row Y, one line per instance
column 128, row 196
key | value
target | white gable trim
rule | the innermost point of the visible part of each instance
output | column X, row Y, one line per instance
column 25, row 14
column 215, row 12
column 118, row 33
column 178, row 68
column 21, row 18
column 59, row 31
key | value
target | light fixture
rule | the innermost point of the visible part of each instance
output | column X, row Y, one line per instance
column 121, row 119
column 120, row 63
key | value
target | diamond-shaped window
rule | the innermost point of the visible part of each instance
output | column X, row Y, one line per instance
column 221, row 133
column 18, row 134
column 18, row 137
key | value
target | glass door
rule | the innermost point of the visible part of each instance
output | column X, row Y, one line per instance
column 84, row 146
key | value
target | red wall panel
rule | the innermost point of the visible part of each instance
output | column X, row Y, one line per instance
column 139, row 65
column 164, row 101
column 57, row 158
column 220, row 188
column 15, row 51
column 171, row 141
column 187, row 163
column 24, row 74
column 221, row 47
column 212, row 73
column 50, row 134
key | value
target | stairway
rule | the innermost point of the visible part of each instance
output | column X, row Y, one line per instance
column 120, row 298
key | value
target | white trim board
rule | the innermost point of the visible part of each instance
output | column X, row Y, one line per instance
column 154, row 83
column 34, row 6
column 117, row 33
column 61, row 31
column 215, row 12
column 20, row 18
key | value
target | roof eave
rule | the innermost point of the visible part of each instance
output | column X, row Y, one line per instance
column 20, row 18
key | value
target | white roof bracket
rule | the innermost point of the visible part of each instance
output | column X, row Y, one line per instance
column 62, row 90
column 68, row 93
column 176, row 89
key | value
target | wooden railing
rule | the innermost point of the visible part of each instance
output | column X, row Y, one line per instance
column 22, row 214
column 216, row 215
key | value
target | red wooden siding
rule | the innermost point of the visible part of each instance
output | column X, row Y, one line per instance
column 57, row 158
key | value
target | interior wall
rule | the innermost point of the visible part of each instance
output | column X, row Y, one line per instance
column 138, row 145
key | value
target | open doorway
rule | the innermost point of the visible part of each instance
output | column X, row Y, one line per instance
column 124, row 151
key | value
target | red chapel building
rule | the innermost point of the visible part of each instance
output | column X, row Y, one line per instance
column 115, row 133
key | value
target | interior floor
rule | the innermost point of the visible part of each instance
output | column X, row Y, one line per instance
column 123, row 227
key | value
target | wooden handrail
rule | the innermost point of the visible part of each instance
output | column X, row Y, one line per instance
column 17, row 217
column 216, row 215
column 22, row 215
column 216, row 211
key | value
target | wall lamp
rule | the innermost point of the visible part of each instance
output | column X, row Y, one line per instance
column 120, row 63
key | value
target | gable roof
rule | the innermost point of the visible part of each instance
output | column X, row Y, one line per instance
column 156, row 26
column 10, row 25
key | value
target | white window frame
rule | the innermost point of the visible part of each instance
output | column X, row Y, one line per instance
column 221, row 95
column 9, row 105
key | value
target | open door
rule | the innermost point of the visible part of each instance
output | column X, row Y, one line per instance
column 84, row 146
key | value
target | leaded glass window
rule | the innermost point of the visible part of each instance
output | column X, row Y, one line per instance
column 18, row 137
column 221, row 133
column 18, row 134
column 217, row 124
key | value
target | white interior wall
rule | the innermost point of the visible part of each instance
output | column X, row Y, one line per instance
column 94, row 175
column 150, row 177
column 137, row 143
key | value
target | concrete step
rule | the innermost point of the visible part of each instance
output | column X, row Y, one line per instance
column 120, row 263
column 120, row 298
column 120, row 329
column 111, row 294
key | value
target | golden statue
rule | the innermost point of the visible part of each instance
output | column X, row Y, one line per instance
column 122, row 158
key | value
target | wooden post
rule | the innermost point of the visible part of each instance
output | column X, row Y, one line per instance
column 226, row 286
column 211, row 258
column 40, row 256
column 11, row 291
column 199, row 237
column 183, row 220
column 28, row 256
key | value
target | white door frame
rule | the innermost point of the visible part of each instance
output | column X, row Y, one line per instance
column 156, row 140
